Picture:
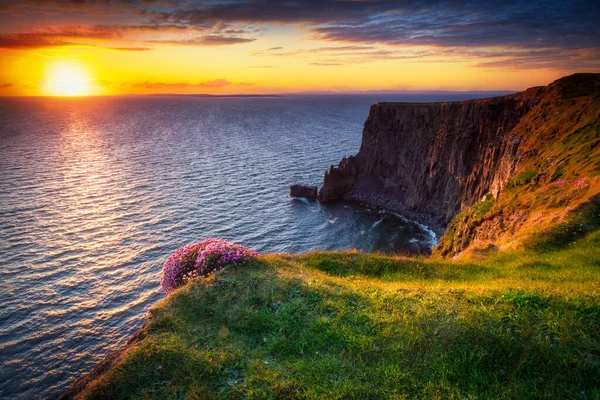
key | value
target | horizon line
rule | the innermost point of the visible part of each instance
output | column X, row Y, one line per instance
column 283, row 94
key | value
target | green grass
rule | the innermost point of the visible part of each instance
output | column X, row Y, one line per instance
column 345, row 325
column 521, row 179
column 577, row 225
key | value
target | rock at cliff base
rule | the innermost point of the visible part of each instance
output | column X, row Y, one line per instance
column 308, row 192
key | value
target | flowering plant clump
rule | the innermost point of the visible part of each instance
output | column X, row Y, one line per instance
column 201, row 259
column 581, row 183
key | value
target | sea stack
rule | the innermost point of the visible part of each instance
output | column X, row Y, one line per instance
column 308, row 192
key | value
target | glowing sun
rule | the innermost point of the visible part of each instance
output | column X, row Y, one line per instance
column 67, row 80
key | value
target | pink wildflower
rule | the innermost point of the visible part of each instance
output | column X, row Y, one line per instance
column 581, row 183
column 202, row 259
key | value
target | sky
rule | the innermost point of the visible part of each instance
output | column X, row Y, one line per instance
column 78, row 47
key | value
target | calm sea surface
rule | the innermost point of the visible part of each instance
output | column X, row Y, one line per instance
column 95, row 193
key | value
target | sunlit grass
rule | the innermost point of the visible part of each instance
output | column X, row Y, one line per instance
column 350, row 325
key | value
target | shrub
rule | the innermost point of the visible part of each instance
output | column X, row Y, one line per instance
column 478, row 210
column 522, row 179
column 201, row 259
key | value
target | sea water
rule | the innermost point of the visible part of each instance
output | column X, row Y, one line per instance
column 96, row 192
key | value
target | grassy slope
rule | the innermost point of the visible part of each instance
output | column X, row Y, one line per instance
column 561, row 142
column 513, row 324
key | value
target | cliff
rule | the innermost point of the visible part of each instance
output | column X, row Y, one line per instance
column 432, row 161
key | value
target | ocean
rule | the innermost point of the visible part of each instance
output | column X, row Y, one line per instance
column 95, row 193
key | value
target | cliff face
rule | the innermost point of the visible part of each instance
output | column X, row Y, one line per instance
column 432, row 158
column 429, row 161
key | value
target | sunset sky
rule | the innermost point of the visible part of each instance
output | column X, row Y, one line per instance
column 269, row 46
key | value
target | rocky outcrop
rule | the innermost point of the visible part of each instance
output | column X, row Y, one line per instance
column 308, row 192
column 430, row 161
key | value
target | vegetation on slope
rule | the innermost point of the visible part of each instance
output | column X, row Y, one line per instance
column 514, row 324
column 558, row 174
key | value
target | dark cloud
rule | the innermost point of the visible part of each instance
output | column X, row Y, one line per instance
column 207, row 40
column 275, row 11
column 30, row 41
column 6, row 85
column 565, row 24
column 27, row 41
column 94, row 7
column 76, row 35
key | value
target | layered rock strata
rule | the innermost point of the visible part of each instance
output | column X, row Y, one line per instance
column 429, row 160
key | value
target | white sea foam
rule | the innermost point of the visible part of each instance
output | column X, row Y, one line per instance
column 376, row 223
column 431, row 239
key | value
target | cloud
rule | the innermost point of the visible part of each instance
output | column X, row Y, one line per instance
column 208, row 40
column 276, row 51
column 568, row 24
column 79, row 7
column 340, row 55
column 6, row 85
column 447, row 27
column 90, row 36
column 261, row 12
column 30, row 41
column 214, row 84
column 130, row 48
column 56, row 36
column 567, row 60
column 496, row 24
column 458, row 23
column 326, row 64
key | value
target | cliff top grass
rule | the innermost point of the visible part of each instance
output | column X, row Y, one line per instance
column 341, row 325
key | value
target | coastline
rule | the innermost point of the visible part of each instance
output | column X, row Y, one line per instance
column 383, row 203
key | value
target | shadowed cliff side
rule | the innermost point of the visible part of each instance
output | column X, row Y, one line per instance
column 432, row 161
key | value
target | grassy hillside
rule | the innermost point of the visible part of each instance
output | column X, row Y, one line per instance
column 557, row 177
column 513, row 324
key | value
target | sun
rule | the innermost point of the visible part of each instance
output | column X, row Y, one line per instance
column 67, row 79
